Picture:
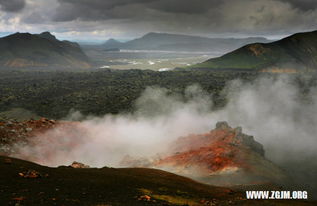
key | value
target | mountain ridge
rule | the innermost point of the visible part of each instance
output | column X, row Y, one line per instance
column 180, row 42
column 21, row 50
column 297, row 52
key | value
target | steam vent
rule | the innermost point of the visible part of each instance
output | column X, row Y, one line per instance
column 223, row 156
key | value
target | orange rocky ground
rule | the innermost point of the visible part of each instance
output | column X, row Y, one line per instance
column 223, row 156
column 14, row 132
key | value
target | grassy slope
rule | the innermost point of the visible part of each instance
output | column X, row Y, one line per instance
column 296, row 50
column 242, row 58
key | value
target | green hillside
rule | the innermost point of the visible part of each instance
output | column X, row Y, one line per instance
column 296, row 52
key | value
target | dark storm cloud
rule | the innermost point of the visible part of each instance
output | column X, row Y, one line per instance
column 12, row 5
column 104, row 9
column 303, row 4
column 135, row 17
column 91, row 9
column 34, row 18
column 184, row 6
column 100, row 9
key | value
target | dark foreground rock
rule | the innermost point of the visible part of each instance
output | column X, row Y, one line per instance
column 109, row 186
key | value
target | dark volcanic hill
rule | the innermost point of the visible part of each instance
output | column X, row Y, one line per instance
column 293, row 53
column 40, row 50
column 26, row 183
column 176, row 42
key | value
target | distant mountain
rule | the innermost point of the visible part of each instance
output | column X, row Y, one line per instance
column 112, row 44
column 176, row 42
column 21, row 50
column 293, row 53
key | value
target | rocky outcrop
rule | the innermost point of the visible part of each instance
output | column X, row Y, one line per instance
column 223, row 156
column 241, row 138
column 78, row 165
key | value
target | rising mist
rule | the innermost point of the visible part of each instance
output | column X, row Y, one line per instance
column 274, row 110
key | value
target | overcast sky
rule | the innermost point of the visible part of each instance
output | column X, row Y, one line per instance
column 125, row 19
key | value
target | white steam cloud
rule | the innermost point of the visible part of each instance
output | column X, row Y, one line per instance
column 159, row 119
column 277, row 114
column 270, row 109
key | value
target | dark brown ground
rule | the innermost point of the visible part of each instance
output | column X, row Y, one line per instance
column 109, row 186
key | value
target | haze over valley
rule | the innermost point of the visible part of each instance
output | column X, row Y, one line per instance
column 134, row 102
